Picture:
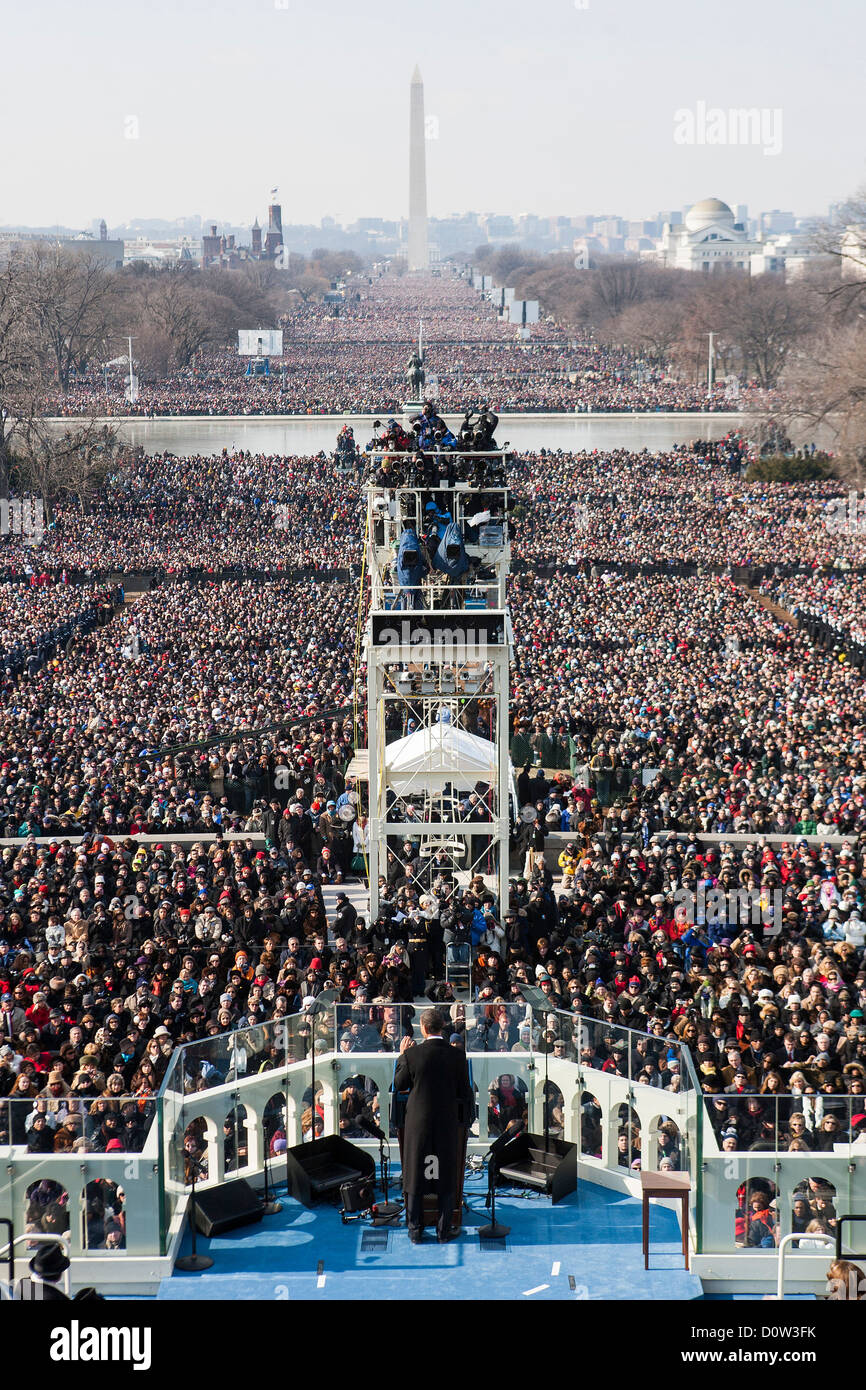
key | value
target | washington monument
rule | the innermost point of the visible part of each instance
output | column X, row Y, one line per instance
column 417, row 176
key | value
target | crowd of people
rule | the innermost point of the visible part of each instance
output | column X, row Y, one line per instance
column 680, row 506
column 738, row 721
column 835, row 598
column 353, row 363
column 171, row 516
column 85, row 734
column 39, row 616
column 240, row 513
column 657, row 699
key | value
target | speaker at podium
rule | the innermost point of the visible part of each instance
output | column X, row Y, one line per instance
column 431, row 1202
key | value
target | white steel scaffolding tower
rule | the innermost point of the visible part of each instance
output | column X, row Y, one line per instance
column 438, row 655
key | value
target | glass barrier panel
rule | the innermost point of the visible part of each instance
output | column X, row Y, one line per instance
column 607, row 1047
column 690, row 1079
column 751, row 1121
column 77, row 1124
column 104, row 1225
column 850, row 1208
column 739, row 1209
column 375, row 1027
column 171, row 1102
column 487, row 1027
column 693, row 1142
column 497, row 1027
column 811, row 1195
column 172, row 1081
column 753, row 1198
column 228, row 1057
column 127, row 1119
column 503, row 1097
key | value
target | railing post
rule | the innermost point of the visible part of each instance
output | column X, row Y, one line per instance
column 784, row 1245
column 161, row 1169
column 78, row 1229
column 216, row 1171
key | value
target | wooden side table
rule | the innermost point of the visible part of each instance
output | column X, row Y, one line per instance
column 665, row 1185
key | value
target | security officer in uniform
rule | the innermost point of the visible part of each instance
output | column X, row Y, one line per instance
column 418, row 953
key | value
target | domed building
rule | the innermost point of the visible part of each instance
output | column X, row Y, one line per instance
column 710, row 238
column 708, row 213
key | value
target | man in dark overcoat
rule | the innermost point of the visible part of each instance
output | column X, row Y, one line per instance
column 440, row 1101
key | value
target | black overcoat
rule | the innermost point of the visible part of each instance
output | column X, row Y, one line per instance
column 440, row 1099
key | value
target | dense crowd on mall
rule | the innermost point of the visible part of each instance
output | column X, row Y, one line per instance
column 656, row 699
column 354, row 363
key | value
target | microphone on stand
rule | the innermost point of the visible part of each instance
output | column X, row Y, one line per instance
column 494, row 1230
column 371, row 1128
column 194, row 1262
column 385, row 1211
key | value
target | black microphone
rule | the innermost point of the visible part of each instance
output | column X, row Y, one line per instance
column 513, row 1128
column 368, row 1126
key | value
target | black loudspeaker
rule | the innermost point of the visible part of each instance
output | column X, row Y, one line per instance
column 319, row 1169
column 220, row 1209
column 527, row 1161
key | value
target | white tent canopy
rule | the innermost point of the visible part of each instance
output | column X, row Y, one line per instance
column 441, row 754
column 432, row 758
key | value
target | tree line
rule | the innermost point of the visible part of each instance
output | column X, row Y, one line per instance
column 804, row 337
column 64, row 313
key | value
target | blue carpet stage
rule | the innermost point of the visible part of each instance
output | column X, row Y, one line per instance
column 586, row 1247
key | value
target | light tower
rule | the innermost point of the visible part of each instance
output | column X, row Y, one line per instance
column 418, row 254
column 437, row 647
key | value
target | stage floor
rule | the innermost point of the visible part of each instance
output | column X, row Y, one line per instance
column 586, row 1247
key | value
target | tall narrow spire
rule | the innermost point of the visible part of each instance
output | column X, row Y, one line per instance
column 417, row 176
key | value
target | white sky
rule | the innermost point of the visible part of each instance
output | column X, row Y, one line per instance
column 545, row 107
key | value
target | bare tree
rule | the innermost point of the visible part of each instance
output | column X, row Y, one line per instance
column 13, row 361
column 514, row 263
column 170, row 309
column 766, row 319
column 264, row 277
column 844, row 239
column 826, row 385
column 75, row 461
column 311, row 286
column 562, row 291
column 705, row 311
column 616, row 285
column 251, row 304
column 67, row 302
column 652, row 328
column 334, row 264
column 94, row 457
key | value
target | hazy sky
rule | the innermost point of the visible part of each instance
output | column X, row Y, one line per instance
column 545, row 107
